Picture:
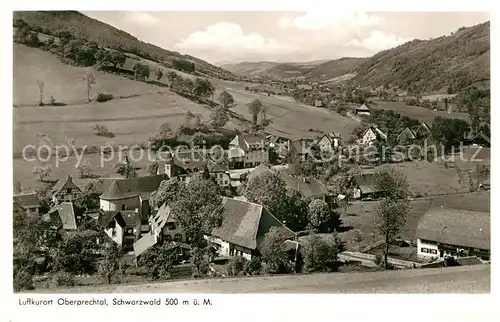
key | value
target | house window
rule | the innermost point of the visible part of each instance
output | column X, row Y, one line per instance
column 424, row 250
column 433, row 251
column 123, row 207
column 113, row 232
column 68, row 191
column 171, row 226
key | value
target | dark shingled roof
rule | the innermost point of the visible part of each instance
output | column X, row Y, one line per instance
column 218, row 167
column 67, row 215
column 470, row 260
column 102, row 184
column 28, row 200
column 127, row 188
column 258, row 170
column 245, row 224
column 64, row 183
column 456, row 227
column 125, row 218
column 308, row 187
column 190, row 160
column 366, row 183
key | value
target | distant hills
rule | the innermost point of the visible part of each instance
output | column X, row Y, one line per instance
column 445, row 63
column 84, row 27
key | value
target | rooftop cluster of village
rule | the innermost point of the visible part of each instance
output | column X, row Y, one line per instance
column 243, row 213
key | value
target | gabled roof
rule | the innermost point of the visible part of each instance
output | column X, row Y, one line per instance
column 144, row 243
column 102, row 184
column 363, row 108
column 258, row 170
column 365, row 183
column 125, row 218
column 189, row 160
column 308, row 187
column 218, row 167
column 64, row 183
column 408, row 133
column 161, row 217
column 28, row 200
column 240, row 142
column 127, row 188
column 377, row 132
column 67, row 215
column 300, row 146
column 456, row 227
column 245, row 224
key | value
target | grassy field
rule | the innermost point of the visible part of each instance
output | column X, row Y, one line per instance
column 62, row 81
column 419, row 113
column 131, row 119
column 360, row 216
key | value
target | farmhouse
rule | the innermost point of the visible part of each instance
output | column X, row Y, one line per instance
column 443, row 232
column 364, row 186
column 65, row 190
column 64, row 217
column 308, row 187
column 243, row 228
column 371, row 135
column 123, row 226
column 28, row 202
column 363, row 110
column 130, row 194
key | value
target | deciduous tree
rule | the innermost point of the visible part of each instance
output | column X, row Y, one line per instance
column 392, row 210
column 226, row 99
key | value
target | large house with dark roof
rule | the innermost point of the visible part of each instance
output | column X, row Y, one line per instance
column 28, row 202
column 243, row 228
column 65, row 190
column 131, row 194
column 364, row 186
column 444, row 232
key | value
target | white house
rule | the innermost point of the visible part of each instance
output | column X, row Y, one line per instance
column 130, row 194
column 248, row 151
column 371, row 135
column 220, row 172
column 443, row 232
column 65, row 190
column 328, row 142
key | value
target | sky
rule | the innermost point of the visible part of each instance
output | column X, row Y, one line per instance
column 232, row 37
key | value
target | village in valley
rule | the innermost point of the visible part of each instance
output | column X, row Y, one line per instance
column 245, row 176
